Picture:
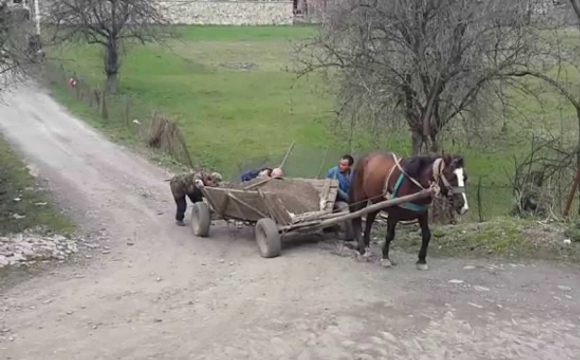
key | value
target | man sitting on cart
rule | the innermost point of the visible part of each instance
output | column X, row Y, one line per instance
column 343, row 172
column 188, row 185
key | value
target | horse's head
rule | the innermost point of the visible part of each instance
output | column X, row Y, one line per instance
column 452, row 181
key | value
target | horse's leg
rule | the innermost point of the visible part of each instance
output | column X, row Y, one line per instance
column 357, row 203
column 367, row 236
column 426, row 235
column 391, row 225
column 357, row 233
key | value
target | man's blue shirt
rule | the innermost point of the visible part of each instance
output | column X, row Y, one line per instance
column 343, row 181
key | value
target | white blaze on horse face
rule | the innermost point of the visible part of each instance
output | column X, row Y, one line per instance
column 461, row 183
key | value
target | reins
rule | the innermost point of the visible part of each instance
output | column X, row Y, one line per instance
column 438, row 167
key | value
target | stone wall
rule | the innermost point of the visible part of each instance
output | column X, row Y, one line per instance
column 228, row 12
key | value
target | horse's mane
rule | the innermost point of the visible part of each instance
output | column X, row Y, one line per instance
column 413, row 166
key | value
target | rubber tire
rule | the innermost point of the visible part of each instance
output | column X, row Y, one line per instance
column 200, row 219
column 268, row 238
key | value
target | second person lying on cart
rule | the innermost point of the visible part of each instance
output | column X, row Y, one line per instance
column 261, row 173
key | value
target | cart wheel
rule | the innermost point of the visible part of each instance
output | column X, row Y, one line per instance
column 200, row 219
column 268, row 238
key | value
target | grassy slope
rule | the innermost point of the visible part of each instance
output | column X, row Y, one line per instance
column 227, row 114
column 502, row 238
column 230, row 115
column 19, row 194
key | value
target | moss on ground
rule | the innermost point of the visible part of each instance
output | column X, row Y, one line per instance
column 23, row 203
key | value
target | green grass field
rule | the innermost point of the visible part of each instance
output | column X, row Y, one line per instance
column 227, row 113
column 236, row 102
column 23, row 205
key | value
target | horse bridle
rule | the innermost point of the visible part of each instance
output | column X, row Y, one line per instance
column 438, row 167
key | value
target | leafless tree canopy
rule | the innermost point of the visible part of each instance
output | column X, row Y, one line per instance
column 109, row 23
column 16, row 54
column 424, row 62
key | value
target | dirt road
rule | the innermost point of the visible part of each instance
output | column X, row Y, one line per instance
column 173, row 296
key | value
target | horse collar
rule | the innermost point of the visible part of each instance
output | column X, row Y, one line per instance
column 407, row 206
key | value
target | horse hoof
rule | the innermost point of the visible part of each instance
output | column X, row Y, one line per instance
column 386, row 263
column 423, row 267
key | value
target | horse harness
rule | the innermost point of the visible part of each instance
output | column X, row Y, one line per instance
column 438, row 167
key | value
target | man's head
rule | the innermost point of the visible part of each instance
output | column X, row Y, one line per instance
column 345, row 163
column 213, row 180
column 277, row 173
column 265, row 172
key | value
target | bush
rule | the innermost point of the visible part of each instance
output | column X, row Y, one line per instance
column 573, row 232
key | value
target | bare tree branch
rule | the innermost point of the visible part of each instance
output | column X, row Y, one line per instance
column 553, row 82
column 424, row 63
column 113, row 24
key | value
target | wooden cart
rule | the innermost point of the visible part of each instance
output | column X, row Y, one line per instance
column 272, row 219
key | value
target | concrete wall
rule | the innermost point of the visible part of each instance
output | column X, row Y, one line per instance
column 228, row 12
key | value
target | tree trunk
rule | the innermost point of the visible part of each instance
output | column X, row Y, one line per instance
column 417, row 138
column 112, row 66
column 112, row 83
column 578, row 153
column 434, row 143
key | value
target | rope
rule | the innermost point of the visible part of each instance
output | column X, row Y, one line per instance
column 407, row 175
column 437, row 173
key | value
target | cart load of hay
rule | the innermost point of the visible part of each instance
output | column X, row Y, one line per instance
column 298, row 196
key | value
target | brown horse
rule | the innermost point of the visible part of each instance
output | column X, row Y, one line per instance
column 381, row 175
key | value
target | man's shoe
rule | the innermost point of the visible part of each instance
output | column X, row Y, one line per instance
column 180, row 223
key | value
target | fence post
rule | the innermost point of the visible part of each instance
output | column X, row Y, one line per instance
column 127, row 110
column 572, row 192
column 479, row 206
column 104, row 110
column 78, row 89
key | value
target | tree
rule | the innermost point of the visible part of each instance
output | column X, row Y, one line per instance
column 112, row 24
column 427, row 63
column 18, row 45
column 559, row 66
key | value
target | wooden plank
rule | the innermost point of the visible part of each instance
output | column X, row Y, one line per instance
column 316, row 225
column 331, row 198
column 235, row 210
column 260, row 183
column 316, row 216
column 270, row 210
column 281, row 166
column 240, row 202
column 274, row 203
column 214, row 204
column 321, row 185
column 324, row 195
